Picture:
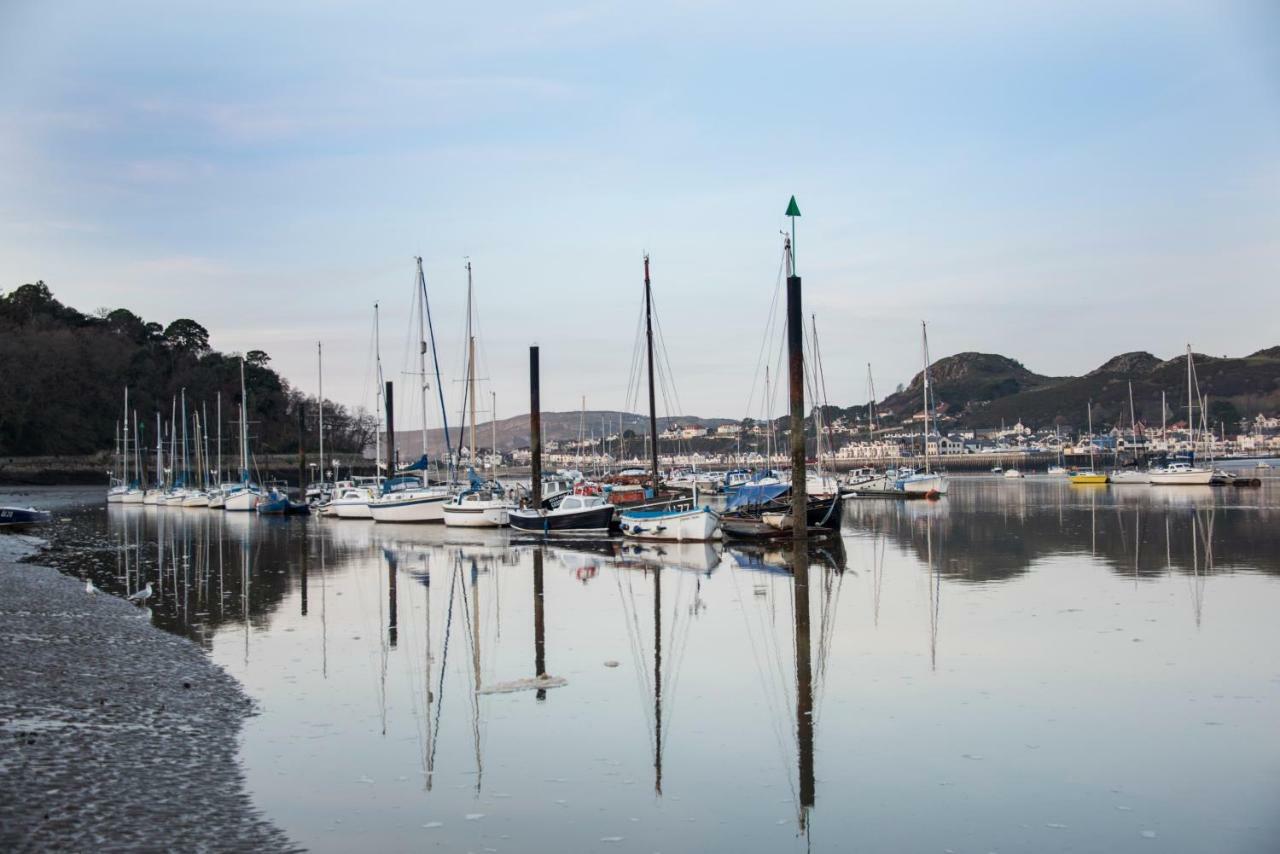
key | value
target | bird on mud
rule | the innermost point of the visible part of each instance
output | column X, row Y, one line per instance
column 142, row 595
column 88, row 586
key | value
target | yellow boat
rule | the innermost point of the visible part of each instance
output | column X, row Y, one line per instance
column 1088, row 477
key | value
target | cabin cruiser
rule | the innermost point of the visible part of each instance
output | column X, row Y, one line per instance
column 351, row 498
column 16, row 517
column 566, row 514
column 1181, row 474
column 920, row 483
column 242, row 497
column 409, row 499
column 484, row 505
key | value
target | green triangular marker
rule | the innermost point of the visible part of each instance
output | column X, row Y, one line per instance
column 792, row 209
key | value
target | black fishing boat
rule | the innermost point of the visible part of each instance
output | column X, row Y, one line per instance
column 570, row 514
column 763, row 512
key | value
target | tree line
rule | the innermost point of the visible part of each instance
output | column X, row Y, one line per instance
column 63, row 374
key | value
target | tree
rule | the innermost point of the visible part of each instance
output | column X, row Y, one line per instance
column 187, row 336
column 257, row 358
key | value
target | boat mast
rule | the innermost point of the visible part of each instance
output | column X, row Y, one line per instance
column 653, row 406
column 124, row 446
column 924, row 338
column 871, row 404
column 1191, row 426
column 435, row 361
column 493, row 424
column 204, row 470
column 137, row 448
column 173, row 442
column 377, row 434
column 186, row 456
column 159, row 452
column 471, row 365
column 1090, row 436
column 218, row 479
column 320, row 371
column 244, row 427
column 419, row 297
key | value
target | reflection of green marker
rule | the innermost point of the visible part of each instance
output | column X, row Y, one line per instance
column 793, row 211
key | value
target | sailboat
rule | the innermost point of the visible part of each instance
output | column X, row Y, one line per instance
column 676, row 520
column 928, row 483
column 409, row 498
column 244, row 495
column 482, row 505
column 1090, row 476
column 1184, row 473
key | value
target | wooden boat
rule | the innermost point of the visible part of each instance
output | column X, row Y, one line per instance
column 679, row 521
column 772, row 519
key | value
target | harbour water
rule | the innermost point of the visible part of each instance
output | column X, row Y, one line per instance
column 1021, row 666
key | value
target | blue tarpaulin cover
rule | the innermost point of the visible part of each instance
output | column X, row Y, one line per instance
column 755, row 493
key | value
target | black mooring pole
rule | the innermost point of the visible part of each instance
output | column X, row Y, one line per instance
column 535, row 427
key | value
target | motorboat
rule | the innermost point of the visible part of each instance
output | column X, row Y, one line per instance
column 483, row 506
column 17, row 517
column 678, row 521
column 409, row 499
column 351, row 498
column 1181, row 474
column 1088, row 477
column 1013, row 473
column 570, row 514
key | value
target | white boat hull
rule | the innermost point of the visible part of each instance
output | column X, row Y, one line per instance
column 352, row 509
column 174, row 499
column 196, row 499
column 217, row 500
column 925, row 484
column 698, row 524
column 494, row 516
column 412, row 508
column 1189, row 477
column 132, row 496
column 1136, row 478
column 242, row 501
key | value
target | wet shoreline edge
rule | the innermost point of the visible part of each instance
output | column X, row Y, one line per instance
column 117, row 734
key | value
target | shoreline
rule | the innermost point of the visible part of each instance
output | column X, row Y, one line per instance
column 118, row 735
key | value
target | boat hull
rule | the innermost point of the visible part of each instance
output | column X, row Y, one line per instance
column 1192, row 477
column 351, row 509
column 196, row 499
column 588, row 520
column 1088, row 479
column 495, row 516
column 1134, row 478
column 133, row 496
column 17, row 517
column 242, row 501
column 217, row 501
column 924, row 484
column 425, row 508
column 697, row 524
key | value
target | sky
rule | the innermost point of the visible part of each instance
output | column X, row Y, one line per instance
column 1055, row 182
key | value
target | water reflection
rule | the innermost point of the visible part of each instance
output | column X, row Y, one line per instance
column 405, row 673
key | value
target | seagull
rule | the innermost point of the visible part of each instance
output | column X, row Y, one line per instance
column 88, row 586
column 142, row 595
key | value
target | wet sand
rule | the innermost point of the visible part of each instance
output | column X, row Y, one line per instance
column 116, row 735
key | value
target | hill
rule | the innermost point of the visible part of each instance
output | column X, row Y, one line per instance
column 63, row 373
column 966, row 381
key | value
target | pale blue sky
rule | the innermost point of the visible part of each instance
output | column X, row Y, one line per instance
column 1058, row 182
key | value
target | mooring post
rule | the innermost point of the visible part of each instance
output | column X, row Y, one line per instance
column 795, row 353
column 535, row 428
column 391, row 432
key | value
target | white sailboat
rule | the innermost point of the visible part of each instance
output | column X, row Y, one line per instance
column 484, row 505
column 682, row 520
column 1182, row 473
column 414, row 499
column 244, row 495
column 927, row 483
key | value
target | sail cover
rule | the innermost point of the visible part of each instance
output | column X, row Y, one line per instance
column 751, row 494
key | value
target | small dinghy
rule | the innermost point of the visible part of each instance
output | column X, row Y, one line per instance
column 16, row 517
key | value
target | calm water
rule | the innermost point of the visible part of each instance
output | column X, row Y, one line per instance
column 1022, row 666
